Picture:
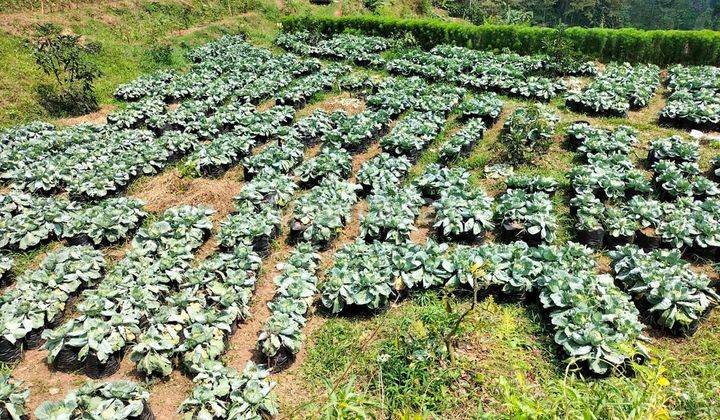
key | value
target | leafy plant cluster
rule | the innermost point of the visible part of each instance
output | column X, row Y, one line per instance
column 396, row 95
column 137, row 114
column 67, row 60
column 28, row 221
column 463, row 213
column 281, row 335
column 486, row 106
column 532, row 183
column 13, row 397
column 247, row 130
column 618, row 89
column 382, row 171
column 363, row 274
column 354, row 133
column 225, row 69
column 112, row 400
column 109, row 317
column 506, row 73
column 527, row 133
column 391, row 214
column 107, row 222
column 223, row 392
column 616, row 204
column 693, row 99
column 602, row 186
column 527, row 216
column 358, row 83
column 320, row 214
column 412, row 134
column 87, row 161
column 330, row 161
column 461, row 143
column 310, row 129
column 595, row 322
column 191, row 326
column 250, row 225
column 268, row 188
column 361, row 50
column 301, row 90
column 437, row 178
column 676, row 297
column 40, row 296
column 150, row 85
column 280, row 157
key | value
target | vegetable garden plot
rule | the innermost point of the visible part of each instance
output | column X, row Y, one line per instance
column 362, row 50
column 506, row 73
column 27, row 221
column 620, row 88
column 111, row 316
column 39, row 298
column 365, row 276
column 113, row 400
column 391, row 214
column 693, row 99
column 663, row 284
column 281, row 335
column 168, row 314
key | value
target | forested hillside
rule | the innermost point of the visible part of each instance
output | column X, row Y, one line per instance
column 644, row 14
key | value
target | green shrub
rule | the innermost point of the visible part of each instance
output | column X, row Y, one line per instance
column 527, row 133
column 161, row 54
column 68, row 62
column 660, row 47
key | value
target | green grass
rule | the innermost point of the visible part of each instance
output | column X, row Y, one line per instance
column 127, row 37
column 507, row 365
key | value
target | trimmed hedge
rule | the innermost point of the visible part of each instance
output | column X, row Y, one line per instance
column 633, row 45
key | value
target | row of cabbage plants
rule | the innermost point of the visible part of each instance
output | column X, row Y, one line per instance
column 525, row 210
column 302, row 89
column 230, row 147
column 617, row 90
column 121, row 399
column 693, row 100
column 40, row 297
column 596, row 324
column 664, row 286
column 28, row 221
column 523, row 76
column 280, row 337
column 511, row 74
column 359, row 49
column 110, row 317
column 604, row 184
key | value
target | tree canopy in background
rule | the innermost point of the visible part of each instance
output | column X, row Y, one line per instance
column 644, row 14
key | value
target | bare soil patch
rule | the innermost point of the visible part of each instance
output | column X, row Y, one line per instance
column 169, row 189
